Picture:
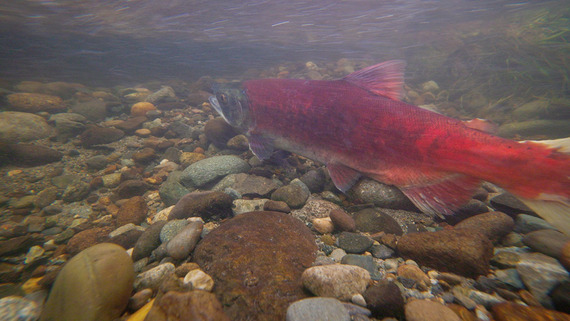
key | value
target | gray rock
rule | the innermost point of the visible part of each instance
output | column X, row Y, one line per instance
column 172, row 228
column 540, row 274
column 314, row 309
column 15, row 308
column 165, row 93
column 339, row 281
column 181, row 245
column 152, row 278
column 549, row 242
column 364, row 261
column 148, row 241
column 375, row 220
column 381, row 195
column 210, row 169
column 94, row 285
column 314, row 208
column 97, row 162
column 381, row 251
column 68, row 125
column 315, row 180
column 294, row 194
column 172, row 191
column 95, row 110
column 76, row 192
column 63, row 181
column 18, row 127
column 354, row 242
column 248, row 185
column 243, row 206
column 510, row 277
column 526, row 223
column 46, row 197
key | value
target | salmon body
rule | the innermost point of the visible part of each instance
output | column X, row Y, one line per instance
column 357, row 126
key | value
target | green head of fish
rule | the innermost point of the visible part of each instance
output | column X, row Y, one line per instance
column 230, row 101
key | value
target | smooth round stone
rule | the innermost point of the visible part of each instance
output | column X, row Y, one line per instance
column 425, row 310
column 294, row 194
column 527, row 223
column 323, row 225
column 181, row 245
column 95, row 285
column 339, row 281
column 172, row 228
column 354, row 242
column 384, row 299
column 211, row 169
column 364, row 261
column 15, row 308
column 22, row 127
column 199, row 280
column 549, row 242
column 152, row 278
column 313, row 309
column 342, row 220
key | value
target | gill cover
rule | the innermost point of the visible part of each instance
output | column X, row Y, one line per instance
column 232, row 104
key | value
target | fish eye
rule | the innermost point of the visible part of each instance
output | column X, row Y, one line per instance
column 223, row 98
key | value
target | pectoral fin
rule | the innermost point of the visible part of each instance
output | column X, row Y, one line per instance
column 260, row 145
column 342, row 176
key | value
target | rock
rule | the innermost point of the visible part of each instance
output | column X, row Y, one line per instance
column 181, row 245
column 248, row 185
column 508, row 311
column 549, row 242
column 526, row 223
column 97, row 162
column 314, row 208
column 294, row 194
column 199, row 280
column 139, row 299
column 494, row 225
column 210, row 169
column 144, row 156
column 354, row 242
column 207, row 205
column 165, row 93
column 339, row 281
column 172, row 191
column 131, row 125
column 540, row 274
column 94, row 285
column 276, row 206
column 565, row 256
column 100, row 135
column 384, row 299
column 30, row 155
column 171, row 228
column 219, row 132
column 148, row 241
column 46, row 197
column 532, row 128
column 68, row 125
column 267, row 263
column 413, row 272
column 76, row 191
column 187, row 158
column 134, row 210
column 381, row 195
column 16, row 308
column 87, row 238
column 374, row 220
column 33, row 103
column 95, row 110
column 315, row 180
column 323, row 225
column 141, row 108
column 152, row 278
column 131, row 188
column 193, row 305
column 425, row 310
column 505, row 260
column 381, row 251
column 364, row 261
column 461, row 251
column 342, row 221
column 317, row 309
column 241, row 206
column 18, row 127
column 561, row 297
column 509, row 204
column 238, row 142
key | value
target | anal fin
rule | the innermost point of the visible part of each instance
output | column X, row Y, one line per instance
column 442, row 196
column 342, row 176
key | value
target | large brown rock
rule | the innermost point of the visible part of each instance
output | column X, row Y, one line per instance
column 256, row 260
column 494, row 225
column 515, row 312
column 100, row 135
column 195, row 305
column 29, row 154
column 219, row 132
column 134, row 211
column 95, row 285
column 461, row 251
column 33, row 103
column 87, row 238
column 207, row 205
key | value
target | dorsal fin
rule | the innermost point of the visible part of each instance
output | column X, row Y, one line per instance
column 384, row 79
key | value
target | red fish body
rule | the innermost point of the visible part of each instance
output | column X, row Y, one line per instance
column 357, row 126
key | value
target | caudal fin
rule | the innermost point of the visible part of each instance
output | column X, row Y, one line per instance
column 554, row 212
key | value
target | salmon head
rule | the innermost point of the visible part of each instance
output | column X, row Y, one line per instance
column 230, row 101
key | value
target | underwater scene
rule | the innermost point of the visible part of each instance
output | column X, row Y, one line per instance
column 292, row 160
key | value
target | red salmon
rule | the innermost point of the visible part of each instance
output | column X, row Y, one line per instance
column 358, row 126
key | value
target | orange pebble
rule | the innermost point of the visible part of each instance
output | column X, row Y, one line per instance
column 141, row 108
